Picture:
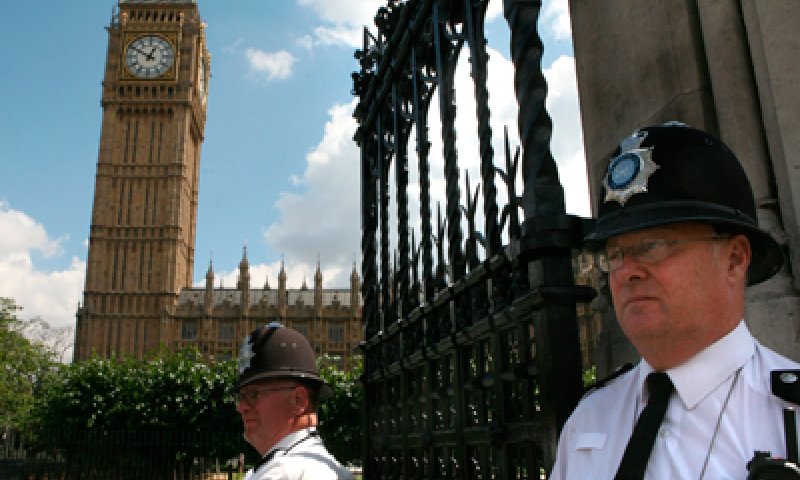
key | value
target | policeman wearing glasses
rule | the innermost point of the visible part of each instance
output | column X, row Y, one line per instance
column 677, row 235
column 277, row 394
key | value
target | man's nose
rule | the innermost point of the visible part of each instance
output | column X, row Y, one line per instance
column 242, row 406
column 630, row 267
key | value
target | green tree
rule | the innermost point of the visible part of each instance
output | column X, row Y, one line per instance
column 24, row 364
column 119, row 409
column 108, row 401
column 341, row 416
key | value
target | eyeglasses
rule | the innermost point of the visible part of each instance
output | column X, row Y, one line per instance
column 649, row 250
column 250, row 397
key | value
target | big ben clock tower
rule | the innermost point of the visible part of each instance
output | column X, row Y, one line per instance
column 141, row 243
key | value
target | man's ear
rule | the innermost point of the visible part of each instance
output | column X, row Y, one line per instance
column 739, row 256
column 300, row 400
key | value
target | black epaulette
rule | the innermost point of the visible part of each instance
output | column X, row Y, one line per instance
column 786, row 385
column 621, row 370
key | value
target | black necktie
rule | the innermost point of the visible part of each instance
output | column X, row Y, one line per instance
column 637, row 453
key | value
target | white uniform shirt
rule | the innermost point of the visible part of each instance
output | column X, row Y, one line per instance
column 300, row 456
column 595, row 436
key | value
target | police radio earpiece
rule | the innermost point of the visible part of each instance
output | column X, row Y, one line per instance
column 763, row 466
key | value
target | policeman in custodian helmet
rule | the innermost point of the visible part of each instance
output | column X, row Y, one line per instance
column 677, row 235
column 277, row 393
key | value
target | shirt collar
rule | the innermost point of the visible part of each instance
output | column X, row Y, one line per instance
column 695, row 379
column 292, row 439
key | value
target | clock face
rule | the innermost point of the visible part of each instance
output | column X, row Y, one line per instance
column 149, row 56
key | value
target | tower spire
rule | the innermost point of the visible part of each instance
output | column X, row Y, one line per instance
column 244, row 281
column 282, row 298
column 318, row 275
column 244, row 272
column 210, row 272
column 208, row 298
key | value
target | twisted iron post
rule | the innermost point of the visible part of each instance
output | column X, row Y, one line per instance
column 383, row 194
column 479, row 59
column 400, row 133
column 419, row 96
column 542, row 192
column 369, row 222
column 445, row 68
column 369, row 204
column 548, row 234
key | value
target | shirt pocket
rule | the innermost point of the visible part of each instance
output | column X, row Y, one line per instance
column 588, row 461
column 590, row 441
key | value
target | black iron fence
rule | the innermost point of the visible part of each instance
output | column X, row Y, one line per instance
column 107, row 455
column 472, row 356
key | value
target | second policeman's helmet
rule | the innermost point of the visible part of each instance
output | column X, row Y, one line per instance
column 274, row 351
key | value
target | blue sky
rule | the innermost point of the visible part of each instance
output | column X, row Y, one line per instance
column 279, row 170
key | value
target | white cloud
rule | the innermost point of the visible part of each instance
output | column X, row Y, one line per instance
column 344, row 20
column 51, row 295
column 324, row 219
column 567, row 141
column 556, row 19
column 345, row 12
column 21, row 233
column 306, row 42
column 494, row 10
column 339, row 35
column 276, row 65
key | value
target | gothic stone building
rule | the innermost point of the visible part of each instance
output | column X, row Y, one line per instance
column 216, row 320
column 138, row 295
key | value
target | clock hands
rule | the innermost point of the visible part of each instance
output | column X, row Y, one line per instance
column 138, row 49
column 148, row 56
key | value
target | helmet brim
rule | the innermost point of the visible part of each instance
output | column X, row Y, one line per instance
column 767, row 254
column 324, row 392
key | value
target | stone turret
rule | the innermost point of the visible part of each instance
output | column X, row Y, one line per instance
column 282, row 291
column 318, row 291
column 355, row 286
column 209, row 293
column 243, row 284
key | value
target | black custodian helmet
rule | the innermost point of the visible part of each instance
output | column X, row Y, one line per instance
column 274, row 351
column 673, row 173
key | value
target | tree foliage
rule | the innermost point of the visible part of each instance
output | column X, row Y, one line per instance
column 173, row 392
column 341, row 416
column 24, row 364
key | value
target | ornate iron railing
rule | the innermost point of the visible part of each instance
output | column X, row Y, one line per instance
column 472, row 357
